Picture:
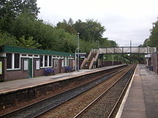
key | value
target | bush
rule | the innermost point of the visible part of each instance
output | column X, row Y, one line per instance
column 49, row 71
column 68, row 69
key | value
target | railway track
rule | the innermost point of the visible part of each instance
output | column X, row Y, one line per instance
column 107, row 104
column 39, row 108
column 70, row 109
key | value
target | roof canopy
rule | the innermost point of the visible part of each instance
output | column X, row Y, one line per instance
column 12, row 49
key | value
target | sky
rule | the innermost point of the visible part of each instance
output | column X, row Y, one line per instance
column 125, row 21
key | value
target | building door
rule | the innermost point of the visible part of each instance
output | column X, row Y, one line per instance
column 30, row 68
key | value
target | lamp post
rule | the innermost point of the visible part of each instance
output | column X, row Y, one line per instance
column 78, row 51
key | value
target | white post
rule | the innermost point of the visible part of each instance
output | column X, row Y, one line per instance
column 75, row 60
column 78, row 52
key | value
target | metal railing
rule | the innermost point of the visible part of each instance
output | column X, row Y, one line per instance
column 94, row 59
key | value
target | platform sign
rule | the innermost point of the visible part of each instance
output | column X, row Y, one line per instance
column 0, row 67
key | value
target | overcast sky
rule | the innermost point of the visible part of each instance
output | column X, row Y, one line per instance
column 124, row 20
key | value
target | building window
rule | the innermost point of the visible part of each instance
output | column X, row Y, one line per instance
column 41, row 60
column 46, row 60
column 17, row 61
column 9, row 60
column 50, row 60
column 13, row 61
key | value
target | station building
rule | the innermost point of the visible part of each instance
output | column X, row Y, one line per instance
column 154, row 62
column 19, row 63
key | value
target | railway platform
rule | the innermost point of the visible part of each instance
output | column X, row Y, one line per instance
column 10, row 86
column 141, row 98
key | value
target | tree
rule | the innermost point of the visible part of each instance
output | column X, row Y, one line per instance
column 146, row 42
column 153, row 38
column 10, row 9
column 7, row 39
column 95, row 29
column 90, row 30
column 70, row 22
column 23, row 25
column 112, row 43
column 80, row 27
column 6, row 15
column 154, row 35
column 28, row 43
column 67, row 26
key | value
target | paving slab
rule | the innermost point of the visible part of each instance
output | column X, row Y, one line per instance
column 134, row 114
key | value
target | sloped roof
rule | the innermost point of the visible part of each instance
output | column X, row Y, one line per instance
column 12, row 49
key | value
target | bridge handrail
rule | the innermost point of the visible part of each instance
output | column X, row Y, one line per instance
column 94, row 59
column 85, row 59
column 91, row 64
column 90, row 54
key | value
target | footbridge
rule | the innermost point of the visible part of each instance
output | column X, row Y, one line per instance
column 127, row 50
column 94, row 53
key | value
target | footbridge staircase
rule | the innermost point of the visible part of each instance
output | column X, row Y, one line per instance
column 90, row 60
